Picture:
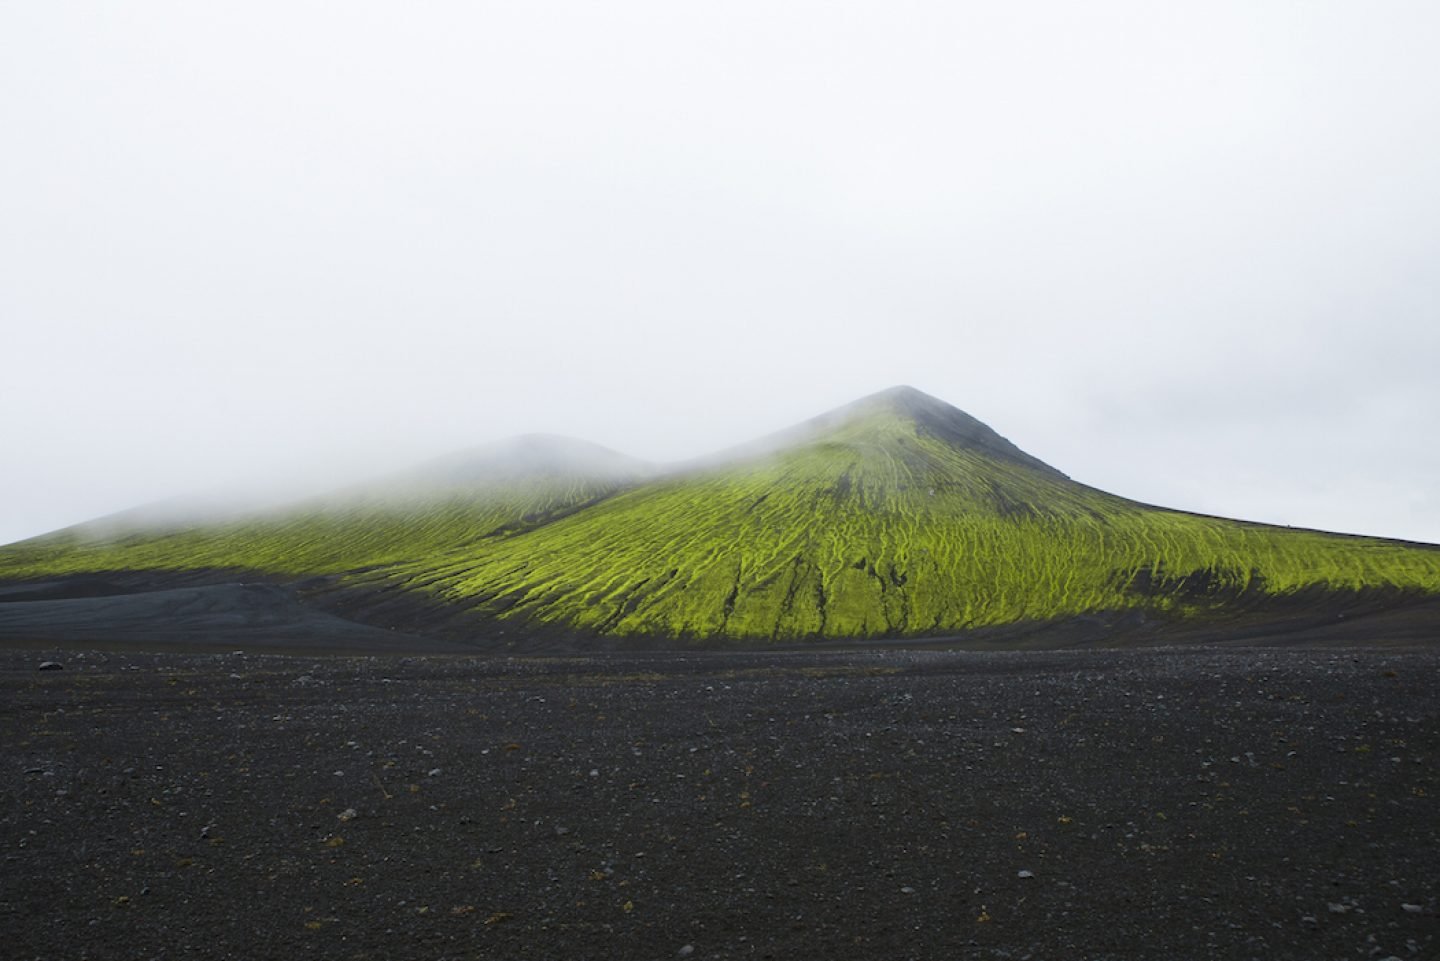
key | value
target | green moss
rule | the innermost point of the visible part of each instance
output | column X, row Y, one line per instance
column 883, row 531
column 878, row 526
column 364, row 532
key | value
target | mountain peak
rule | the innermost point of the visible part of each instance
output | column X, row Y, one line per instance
column 933, row 417
column 904, row 394
column 905, row 400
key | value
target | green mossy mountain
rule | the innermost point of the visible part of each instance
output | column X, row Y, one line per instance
column 442, row 506
column 897, row 516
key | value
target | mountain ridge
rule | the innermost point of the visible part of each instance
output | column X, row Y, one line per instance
column 895, row 516
column 940, row 418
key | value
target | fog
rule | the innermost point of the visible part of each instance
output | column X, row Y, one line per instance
column 1183, row 252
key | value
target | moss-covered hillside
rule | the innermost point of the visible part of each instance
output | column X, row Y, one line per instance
column 896, row 516
column 442, row 506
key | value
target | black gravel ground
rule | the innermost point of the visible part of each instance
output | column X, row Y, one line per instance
column 1163, row 804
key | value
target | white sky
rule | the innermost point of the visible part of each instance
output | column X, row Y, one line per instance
column 1185, row 252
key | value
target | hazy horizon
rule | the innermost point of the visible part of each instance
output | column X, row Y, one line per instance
column 1183, row 253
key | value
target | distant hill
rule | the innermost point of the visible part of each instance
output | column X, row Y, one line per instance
column 895, row 517
column 421, row 513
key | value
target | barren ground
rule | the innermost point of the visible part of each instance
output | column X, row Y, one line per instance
column 1165, row 804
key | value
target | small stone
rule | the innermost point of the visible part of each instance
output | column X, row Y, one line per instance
column 686, row 951
column 1309, row 920
column 51, row 666
column 1024, row 874
column 1411, row 908
column 434, row 772
column 349, row 814
column 1338, row 908
column 907, row 889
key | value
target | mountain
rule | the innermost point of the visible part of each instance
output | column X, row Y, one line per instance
column 897, row 516
column 421, row 513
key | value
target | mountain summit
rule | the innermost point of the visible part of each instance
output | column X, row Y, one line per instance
column 896, row 516
column 931, row 417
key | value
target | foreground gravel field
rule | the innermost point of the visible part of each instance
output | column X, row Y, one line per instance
column 1079, row 805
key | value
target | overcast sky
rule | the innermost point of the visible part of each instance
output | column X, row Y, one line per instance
column 1185, row 252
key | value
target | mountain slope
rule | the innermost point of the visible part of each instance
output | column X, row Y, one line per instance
column 457, row 500
column 896, row 516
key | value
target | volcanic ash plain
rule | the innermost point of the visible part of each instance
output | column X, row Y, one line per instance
column 1165, row 803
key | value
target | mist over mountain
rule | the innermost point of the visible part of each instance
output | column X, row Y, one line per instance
column 526, row 456
column 897, row 516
